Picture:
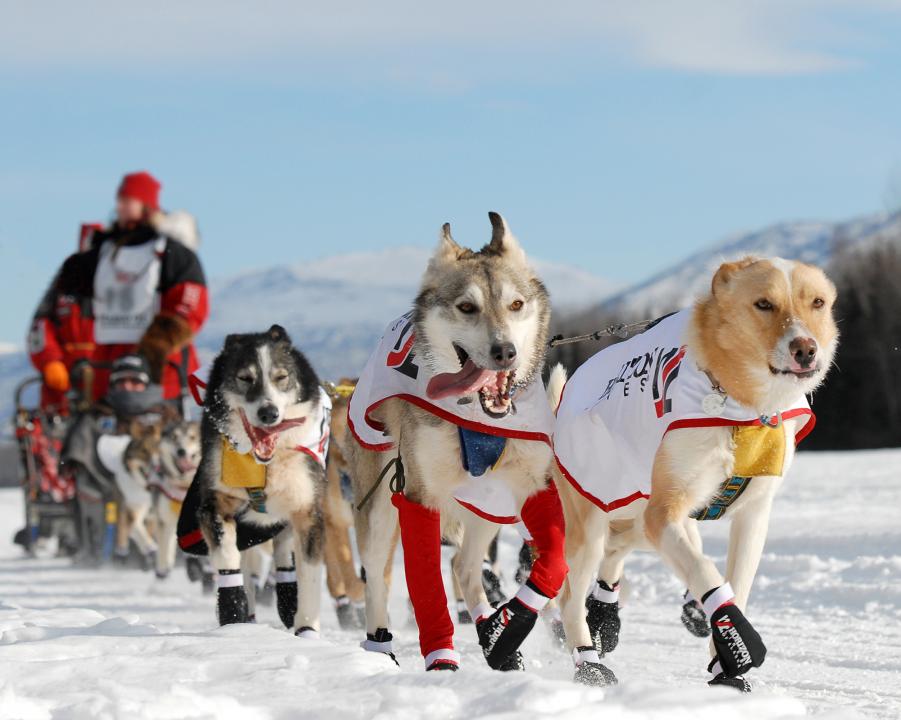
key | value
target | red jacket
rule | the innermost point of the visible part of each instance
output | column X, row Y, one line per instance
column 62, row 329
column 72, row 323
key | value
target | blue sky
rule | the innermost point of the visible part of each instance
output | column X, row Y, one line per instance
column 617, row 136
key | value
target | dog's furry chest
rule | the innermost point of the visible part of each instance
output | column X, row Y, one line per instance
column 290, row 484
column 703, row 459
column 437, row 469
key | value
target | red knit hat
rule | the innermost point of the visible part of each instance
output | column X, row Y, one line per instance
column 141, row 186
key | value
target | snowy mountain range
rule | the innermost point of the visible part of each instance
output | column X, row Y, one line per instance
column 336, row 307
column 811, row 242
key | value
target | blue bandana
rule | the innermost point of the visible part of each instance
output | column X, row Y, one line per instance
column 480, row 451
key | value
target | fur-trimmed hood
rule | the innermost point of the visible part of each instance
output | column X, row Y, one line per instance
column 178, row 225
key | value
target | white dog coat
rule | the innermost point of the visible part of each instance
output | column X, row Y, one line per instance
column 394, row 371
column 617, row 407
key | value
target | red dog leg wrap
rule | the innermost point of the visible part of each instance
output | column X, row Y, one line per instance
column 420, row 534
column 542, row 514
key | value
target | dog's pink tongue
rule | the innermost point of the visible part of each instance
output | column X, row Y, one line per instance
column 468, row 379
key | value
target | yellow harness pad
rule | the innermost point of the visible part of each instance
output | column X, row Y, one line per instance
column 241, row 471
column 175, row 506
column 759, row 450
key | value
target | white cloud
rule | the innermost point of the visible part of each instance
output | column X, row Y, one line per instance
column 710, row 36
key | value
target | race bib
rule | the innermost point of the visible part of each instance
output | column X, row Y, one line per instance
column 126, row 291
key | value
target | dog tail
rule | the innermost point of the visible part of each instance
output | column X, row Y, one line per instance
column 555, row 384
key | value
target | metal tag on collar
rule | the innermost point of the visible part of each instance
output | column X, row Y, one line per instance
column 773, row 421
column 713, row 403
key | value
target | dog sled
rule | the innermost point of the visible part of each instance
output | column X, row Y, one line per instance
column 49, row 488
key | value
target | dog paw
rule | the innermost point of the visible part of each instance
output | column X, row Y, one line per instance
column 492, row 585
column 501, row 634
column 558, row 633
column 194, row 569
column 594, row 674
column 512, row 663
column 442, row 665
column 232, row 605
column 604, row 624
column 348, row 615
column 380, row 642
column 695, row 619
column 738, row 683
column 286, row 602
column 208, row 583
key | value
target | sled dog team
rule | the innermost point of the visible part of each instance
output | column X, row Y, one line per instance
column 452, row 432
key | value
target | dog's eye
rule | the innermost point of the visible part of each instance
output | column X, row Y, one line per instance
column 467, row 308
column 245, row 378
column 764, row 304
column 818, row 303
column 280, row 376
column 516, row 305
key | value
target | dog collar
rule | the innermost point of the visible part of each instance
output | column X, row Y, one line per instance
column 713, row 403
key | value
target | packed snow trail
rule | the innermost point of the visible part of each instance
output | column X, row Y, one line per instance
column 77, row 643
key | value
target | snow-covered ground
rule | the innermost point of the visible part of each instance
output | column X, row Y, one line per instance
column 78, row 643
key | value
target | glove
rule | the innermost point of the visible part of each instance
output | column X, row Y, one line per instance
column 165, row 335
column 56, row 376
column 738, row 645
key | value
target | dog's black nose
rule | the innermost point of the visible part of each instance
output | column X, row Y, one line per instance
column 803, row 350
column 267, row 414
column 503, row 353
column 181, row 452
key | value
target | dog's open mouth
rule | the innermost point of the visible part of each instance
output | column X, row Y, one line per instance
column 184, row 466
column 800, row 374
column 492, row 386
column 265, row 439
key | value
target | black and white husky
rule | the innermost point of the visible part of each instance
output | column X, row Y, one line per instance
column 264, row 434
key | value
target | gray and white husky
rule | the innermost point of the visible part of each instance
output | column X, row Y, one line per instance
column 262, row 399
column 480, row 324
column 179, row 455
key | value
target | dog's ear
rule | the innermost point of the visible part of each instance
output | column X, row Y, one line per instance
column 448, row 250
column 277, row 334
column 232, row 341
column 726, row 272
column 502, row 241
